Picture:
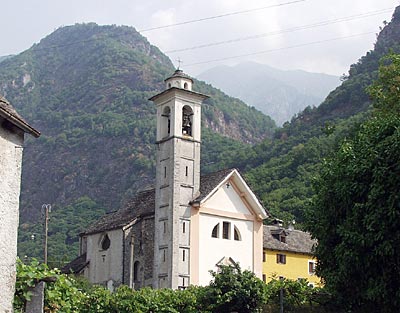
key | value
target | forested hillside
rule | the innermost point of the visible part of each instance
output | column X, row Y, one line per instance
column 281, row 171
column 86, row 88
column 98, row 130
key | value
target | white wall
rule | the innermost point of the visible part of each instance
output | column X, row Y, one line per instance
column 227, row 199
column 105, row 265
column 10, row 181
column 212, row 250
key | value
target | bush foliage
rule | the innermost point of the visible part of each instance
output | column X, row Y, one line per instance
column 231, row 290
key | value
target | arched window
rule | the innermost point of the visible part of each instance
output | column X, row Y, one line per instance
column 166, row 122
column 236, row 234
column 215, row 231
column 187, row 116
column 136, row 268
column 105, row 242
column 185, row 85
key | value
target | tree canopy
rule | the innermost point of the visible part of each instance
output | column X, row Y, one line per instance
column 355, row 214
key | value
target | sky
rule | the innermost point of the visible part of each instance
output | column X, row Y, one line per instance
column 323, row 36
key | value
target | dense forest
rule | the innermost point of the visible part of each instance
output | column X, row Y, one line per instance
column 86, row 88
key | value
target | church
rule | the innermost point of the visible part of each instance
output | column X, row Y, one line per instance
column 171, row 236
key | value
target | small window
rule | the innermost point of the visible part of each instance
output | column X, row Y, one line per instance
column 226, row 229
column 281, row 258
column 264, row 257
column 183, row 227
column 264, row 277
column 186, row 171
column 105, row 243
column 215, row 231
column 183, row 255
column 185, row 85
column 165, row 172
column 283, row 238
column 164, row 227
column 164, row 255
column 311, row 267
column 236, row 234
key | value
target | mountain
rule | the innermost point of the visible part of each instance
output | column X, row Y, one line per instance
column 5, row 57
column 86, row 88
column 281, row 171
column 277, row 93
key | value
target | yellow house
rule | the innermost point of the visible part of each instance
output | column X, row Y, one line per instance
column 287, row 254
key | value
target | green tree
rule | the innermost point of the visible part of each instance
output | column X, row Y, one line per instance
column 355, row 214
column 234, row 290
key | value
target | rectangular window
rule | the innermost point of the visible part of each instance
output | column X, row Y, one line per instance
column 226, row 229
column 183, row 227
column 184, row 255
column 165, row 172
column 186, row 171
column 164, row 227
column 311, row 267
column 264, row 278
column 264, row 257
column 164, row 255
column 281, row 258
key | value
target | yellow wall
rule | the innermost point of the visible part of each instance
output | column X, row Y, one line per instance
column 296, row 266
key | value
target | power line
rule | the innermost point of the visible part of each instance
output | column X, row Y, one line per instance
column 176, row 24
column 288, row 30
column 221, row 15
column 279, row 49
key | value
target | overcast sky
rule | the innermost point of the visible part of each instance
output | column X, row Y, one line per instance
column 282, row 42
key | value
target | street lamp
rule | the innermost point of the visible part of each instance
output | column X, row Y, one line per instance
column 47, row 209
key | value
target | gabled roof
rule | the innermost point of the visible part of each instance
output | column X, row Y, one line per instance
column 140, row 206
column 296, row 240
column 209, row 184
column 10, row 114
column 143, row 203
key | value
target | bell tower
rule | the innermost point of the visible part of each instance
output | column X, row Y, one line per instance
column 178, row 143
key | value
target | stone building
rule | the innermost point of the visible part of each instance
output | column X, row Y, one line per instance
column 12, row 130
column 173, row 235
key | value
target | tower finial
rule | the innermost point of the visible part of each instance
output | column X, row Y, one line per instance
column 179, row 63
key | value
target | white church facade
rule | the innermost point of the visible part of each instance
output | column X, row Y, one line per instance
column 173, row 235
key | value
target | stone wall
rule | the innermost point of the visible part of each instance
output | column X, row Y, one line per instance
column 139, row 247
column 11, row 140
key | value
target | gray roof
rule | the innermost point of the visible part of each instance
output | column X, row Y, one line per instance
column 179, row 73
column 75, row 266
column 143, row 204
column 140, row 206
column 210, row 181
column 9, row 113
column 296, row 240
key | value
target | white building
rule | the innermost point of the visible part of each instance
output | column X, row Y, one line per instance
column 12, row 130
column 173, row 235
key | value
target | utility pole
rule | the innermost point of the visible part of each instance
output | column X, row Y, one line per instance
column 47, row 209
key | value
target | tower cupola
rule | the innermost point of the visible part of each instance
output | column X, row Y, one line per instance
column 179, row 80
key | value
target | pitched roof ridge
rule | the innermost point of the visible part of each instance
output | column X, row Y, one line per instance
column 10, row 114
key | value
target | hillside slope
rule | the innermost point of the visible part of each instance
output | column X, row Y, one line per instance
column 281, row 171
column 85, row 87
